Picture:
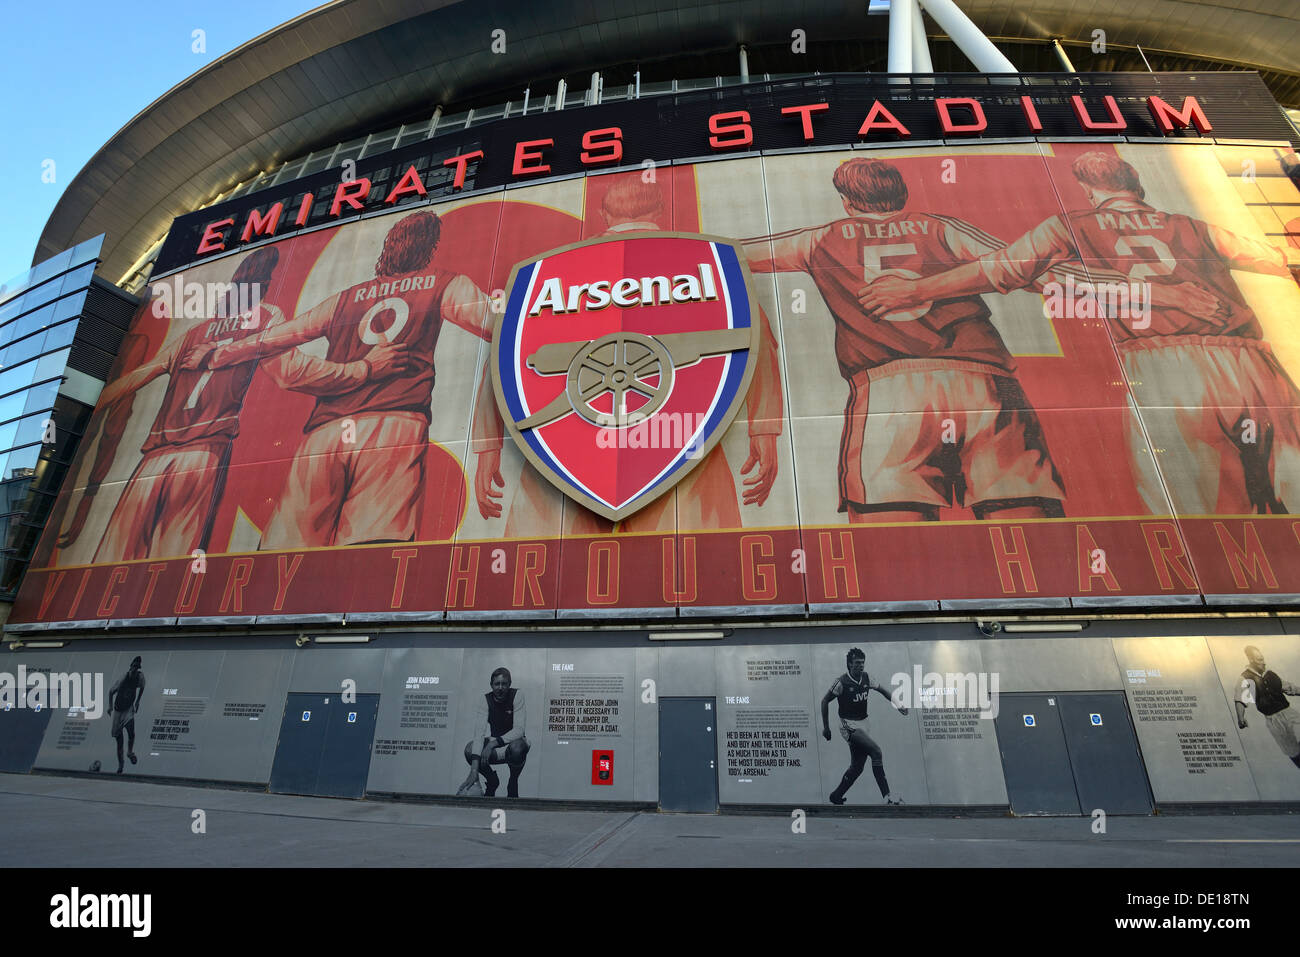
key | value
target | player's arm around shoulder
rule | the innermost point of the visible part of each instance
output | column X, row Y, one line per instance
column 783, row 252
column 464, row 304
column 1242, row 252
column 274, row 338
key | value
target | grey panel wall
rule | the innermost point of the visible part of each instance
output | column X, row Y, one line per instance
column 213, row 714
column 1187, row 734
column 416, row 749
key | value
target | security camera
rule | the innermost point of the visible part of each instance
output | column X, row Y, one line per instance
column 302, row 641
column 989, row 628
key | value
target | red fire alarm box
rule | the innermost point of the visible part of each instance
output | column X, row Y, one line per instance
column 602, row 767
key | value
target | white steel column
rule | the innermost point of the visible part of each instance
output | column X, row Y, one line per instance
column 900, row 36
column 744, row 64
column 977, row 47
column 1063, row 57
column 921, row 62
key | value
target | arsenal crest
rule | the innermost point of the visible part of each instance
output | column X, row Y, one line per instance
column 620, row 361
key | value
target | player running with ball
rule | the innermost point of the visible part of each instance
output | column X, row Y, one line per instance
column 852, row 689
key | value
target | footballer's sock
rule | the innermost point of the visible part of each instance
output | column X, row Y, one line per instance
column 512, row 786
column 490, row 780
column 1296, row 760
column 879, row 771
column 119, row 754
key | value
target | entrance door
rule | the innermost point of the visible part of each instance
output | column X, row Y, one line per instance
column 688, row 755
column 21, row 731
column 1108, row 769
column 1034, row 756
column 324, row 746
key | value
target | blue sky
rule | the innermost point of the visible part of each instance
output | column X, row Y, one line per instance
column 75, row 72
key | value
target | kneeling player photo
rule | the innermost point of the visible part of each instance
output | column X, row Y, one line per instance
column 851, row 690
column 499, row 739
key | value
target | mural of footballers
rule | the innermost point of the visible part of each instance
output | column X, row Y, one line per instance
column 706, row 498
column 1210, row 391
column 110, row 424
column 1268, row 693
column 169, row 502
column 358, row 474
column 498, row 738
column 125, row 697
column 981, row 443
column 851, row 690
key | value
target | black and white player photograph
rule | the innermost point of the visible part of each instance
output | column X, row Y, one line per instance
column 125, row 695
column 851, row 692
column 1266, row 692
column 498, row 740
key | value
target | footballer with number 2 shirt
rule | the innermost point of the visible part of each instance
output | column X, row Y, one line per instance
column 1210, row 390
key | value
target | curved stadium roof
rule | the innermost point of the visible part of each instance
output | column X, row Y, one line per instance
column 353, row 66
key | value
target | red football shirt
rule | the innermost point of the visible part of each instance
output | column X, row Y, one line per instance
column 843, row 256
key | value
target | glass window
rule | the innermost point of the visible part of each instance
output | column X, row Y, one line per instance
column 51, row 365
column 31, row 429
column 41, row 397
column 33, row 321
column 86, row 251
column 9, row 310
column 51, row 267
column 25, row 349
column 7, row 432
column 78, row 278
column 22, row 462
column 316, row 163
column 68, row 307
column 17, row 378
column 61, row 335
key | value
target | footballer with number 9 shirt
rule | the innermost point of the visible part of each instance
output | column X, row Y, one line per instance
column 358, row 475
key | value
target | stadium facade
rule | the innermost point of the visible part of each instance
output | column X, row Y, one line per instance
column 512, row 412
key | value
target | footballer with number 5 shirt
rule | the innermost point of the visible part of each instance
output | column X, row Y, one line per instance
column 170, row 501
column 1211, row 392
column 942, row 359
column 359, row 474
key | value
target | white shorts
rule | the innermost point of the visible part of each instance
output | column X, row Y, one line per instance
column 1222, row 416
column 847, row 728
column 346, row 493
column 942, row 432
column 1284, row 726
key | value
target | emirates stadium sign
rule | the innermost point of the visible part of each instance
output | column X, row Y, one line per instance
column 619, row 362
